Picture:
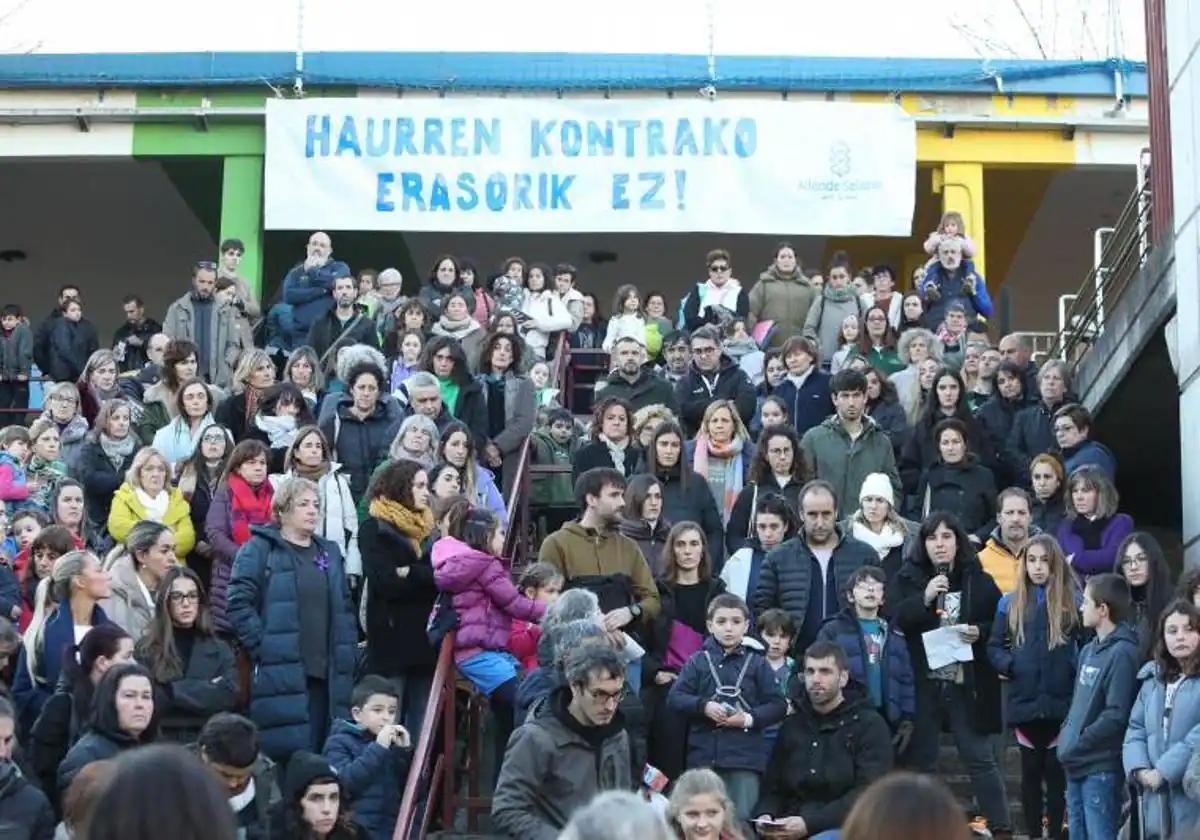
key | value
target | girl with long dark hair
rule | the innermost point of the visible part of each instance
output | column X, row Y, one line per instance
column 194, row 672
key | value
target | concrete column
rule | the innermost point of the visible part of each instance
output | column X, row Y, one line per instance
column 1183, row 76
column 242, row 212
column 962, row 190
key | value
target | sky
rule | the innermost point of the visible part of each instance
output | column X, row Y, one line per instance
column 1056, row 29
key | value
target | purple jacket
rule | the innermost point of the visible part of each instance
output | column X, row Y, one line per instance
column 218, row 530
column 484, row 597
column 1093, row 561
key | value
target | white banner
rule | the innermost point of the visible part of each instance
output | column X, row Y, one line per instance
column 545, row 165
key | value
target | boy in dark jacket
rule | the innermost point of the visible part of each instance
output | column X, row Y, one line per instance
column 1089, row 744
column 228, row 746
column 876, row 652
column 16, row 358
column 729, row 695
column 371, row 755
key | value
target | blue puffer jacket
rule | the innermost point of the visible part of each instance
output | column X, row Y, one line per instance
column 371, row 776
column 309, row 291
column 1041, row 680
column 899, row 684
column 727, row 748
column 264, row 611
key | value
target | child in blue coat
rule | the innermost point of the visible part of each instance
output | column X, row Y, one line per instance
column 371, row 754
column 730, row 695
column 1034, row 644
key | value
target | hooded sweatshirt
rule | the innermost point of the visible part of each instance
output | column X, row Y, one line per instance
column 1105, row 685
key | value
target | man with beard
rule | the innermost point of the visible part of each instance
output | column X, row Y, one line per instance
column 308, row 287
column 951, row 280
column 572, row 746
column 200, row 318
column 677, row 356
column 828, row 752
column 632, row 382
column 132, row 337
column 343, row 325
column 848, row 446
column 592, row 554
column 1013, row 529
column 807, row 574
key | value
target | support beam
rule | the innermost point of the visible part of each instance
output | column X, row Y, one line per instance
column 242, row 212
column 962, row 190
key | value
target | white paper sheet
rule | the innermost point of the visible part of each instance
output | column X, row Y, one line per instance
column 944, row 646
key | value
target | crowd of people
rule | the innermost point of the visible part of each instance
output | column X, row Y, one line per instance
column 795, row 534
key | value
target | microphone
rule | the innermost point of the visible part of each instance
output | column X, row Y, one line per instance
column 941, row 569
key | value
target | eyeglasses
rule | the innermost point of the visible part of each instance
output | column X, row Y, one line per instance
column 606, row 698
column 1135, row 560
column 184, row 597
column 717, row 269
column 204, row 265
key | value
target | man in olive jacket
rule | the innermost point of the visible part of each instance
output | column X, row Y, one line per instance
column 594, row 555
column 848, row 446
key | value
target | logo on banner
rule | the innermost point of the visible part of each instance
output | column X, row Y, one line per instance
column 841, row 187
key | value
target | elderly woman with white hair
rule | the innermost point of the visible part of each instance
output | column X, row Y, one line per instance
column 915, row 346
column 61, row 402
column 291, row 612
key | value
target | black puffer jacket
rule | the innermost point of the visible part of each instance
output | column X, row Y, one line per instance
column 889, row 416
column 822, row 762
column 786, row 577
column 25, row 813
column 740, row 528
column 360, row 445
column 67, row 346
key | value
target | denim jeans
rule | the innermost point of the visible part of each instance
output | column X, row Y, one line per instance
column 1094, row 806
column 742, row 786
column 941, row 703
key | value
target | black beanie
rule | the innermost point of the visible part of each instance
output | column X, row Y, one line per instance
column 302, row 769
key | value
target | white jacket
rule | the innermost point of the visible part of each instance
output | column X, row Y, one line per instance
column 736, row 573
column 339, row 520
column 547, row 314
column 620, row 326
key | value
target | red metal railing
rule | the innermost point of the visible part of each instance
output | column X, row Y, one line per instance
column 435, row 782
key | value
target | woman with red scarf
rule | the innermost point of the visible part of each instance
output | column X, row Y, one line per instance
column 242, row 499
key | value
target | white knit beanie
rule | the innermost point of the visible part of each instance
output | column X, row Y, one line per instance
column 877, row 484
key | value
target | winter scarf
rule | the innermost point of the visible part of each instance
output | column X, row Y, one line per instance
column 732, row 451
column 280, row 429
column 417, row 525
column 313, row 474
column 71, row 431
column 248, row 506
column 155, row 506
column 616, row 451
column 883, row 542
column 447, row 326
column 712, row 295
column 117, row 450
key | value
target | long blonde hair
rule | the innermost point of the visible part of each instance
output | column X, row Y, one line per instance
column 699, row 782
column 53, row 591
column 1062, row 615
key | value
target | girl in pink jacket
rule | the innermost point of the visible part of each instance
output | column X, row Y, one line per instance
column 467, row 564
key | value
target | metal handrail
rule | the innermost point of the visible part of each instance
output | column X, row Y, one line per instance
column 1119, row 259
column 440, row 706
